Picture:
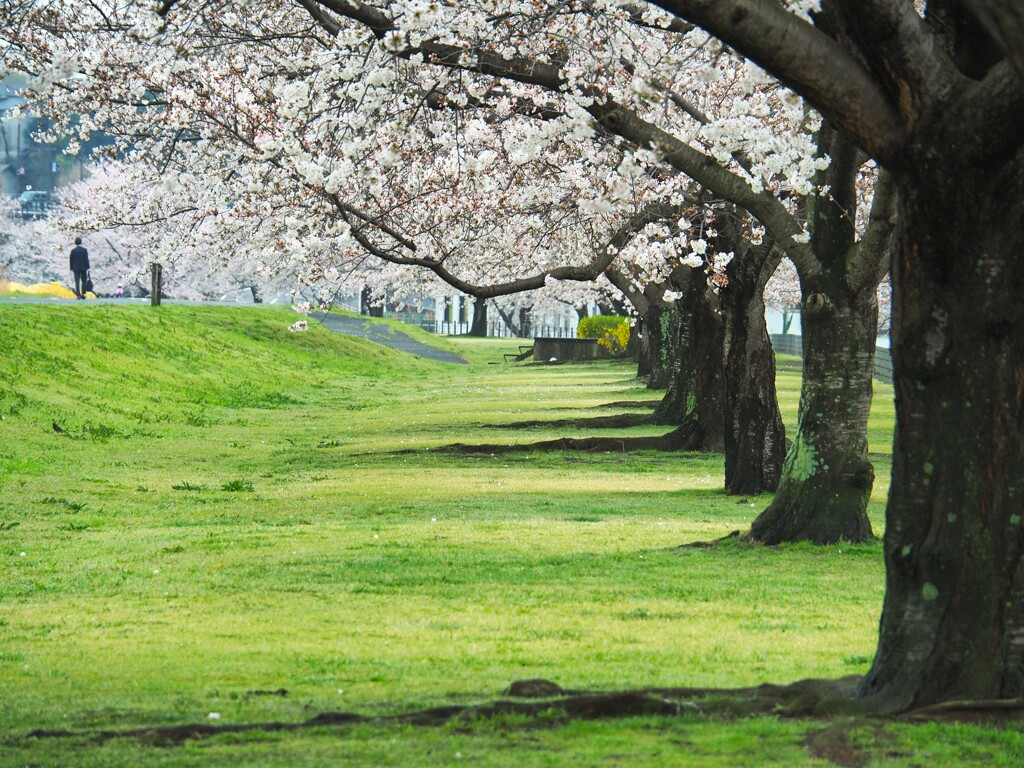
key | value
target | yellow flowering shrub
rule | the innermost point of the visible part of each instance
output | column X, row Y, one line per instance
column 611, row 332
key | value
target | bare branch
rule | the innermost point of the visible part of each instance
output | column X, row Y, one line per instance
column 330, row 26
column 626, row 287
column 636, row 16
column 373, row 221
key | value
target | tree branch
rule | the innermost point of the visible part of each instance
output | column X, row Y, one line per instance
column 903, row 50
column 706, row 171
column 626, row 287
column 831, row 78
column 602, row 258
column 991, row 113
column 373, row 221
column 636, row 16
column 329, row 25
column 878, row 236
column 165, row 7
column 702, row 168
column 376, row 20
column 1004, row 20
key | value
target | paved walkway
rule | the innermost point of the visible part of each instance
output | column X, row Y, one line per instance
column 386, row 335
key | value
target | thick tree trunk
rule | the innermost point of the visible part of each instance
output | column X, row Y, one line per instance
column 647, row 338
column 525, row 323
column 695, row 397
column 645, row 357
column 656, row 347
column 755, row 439
column 479, row 325
column 827, row 480
column 952, row 625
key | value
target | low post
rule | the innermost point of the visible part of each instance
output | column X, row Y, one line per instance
column 156, row 284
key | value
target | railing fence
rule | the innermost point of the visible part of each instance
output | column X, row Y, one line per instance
column 791, row 344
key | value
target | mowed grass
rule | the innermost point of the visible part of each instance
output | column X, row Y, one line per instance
column 241, row 524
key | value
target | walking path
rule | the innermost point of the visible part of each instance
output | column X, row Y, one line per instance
column 386, row 335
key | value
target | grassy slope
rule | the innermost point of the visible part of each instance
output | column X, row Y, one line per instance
column 220, row 520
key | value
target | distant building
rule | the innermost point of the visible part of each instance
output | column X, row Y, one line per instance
column 34, row 204
column 26, row 164
column 11, row 133
column 453, row 314
column 30, row 165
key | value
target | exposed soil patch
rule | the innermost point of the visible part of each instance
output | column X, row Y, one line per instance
column 685, row 438
column 994, row 712
column 833, row 745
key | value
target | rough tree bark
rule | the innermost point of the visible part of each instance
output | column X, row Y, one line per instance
column 755, row 439
column 953, row 620
column 720, row 368
column 827, row 479
column 478, row 327
column 652, row 313
column 939, row 101
column 695, row 397
column 655, row 349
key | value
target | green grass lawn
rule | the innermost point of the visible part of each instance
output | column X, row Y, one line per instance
column 234, row 510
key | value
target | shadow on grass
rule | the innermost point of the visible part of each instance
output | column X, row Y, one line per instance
column 647, row 405
column 684, row 438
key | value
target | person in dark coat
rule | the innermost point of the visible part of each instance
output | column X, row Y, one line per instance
column 79, row 267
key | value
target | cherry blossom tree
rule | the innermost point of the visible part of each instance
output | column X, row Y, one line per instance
column 27, row 253
column 827, row 480
column 105, row 209
column 338, row 141
column 935, row 93
column 36, row 250
column 935, row 97
column 744, row 171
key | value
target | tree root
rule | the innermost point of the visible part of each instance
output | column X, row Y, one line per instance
column 806, row 699
column 580, row 707
column 621, row 421
column 734, row 536
column 680, row 439
column 646, row 404
column 984, row 710
column 582, row 445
